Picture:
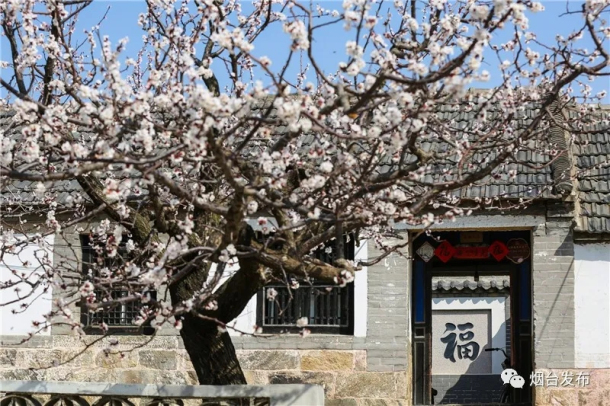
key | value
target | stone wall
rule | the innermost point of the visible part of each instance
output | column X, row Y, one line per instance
column 595, row 393
column 344, row 374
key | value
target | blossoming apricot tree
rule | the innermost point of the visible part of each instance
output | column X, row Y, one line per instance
column 178, row 145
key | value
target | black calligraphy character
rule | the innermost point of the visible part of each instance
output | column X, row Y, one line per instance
column 469, row 350
column 450, row 341
column 465, row 349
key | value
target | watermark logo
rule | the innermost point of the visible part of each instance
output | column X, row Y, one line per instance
column 539, row 379
column 511, row 377
column 568, row 378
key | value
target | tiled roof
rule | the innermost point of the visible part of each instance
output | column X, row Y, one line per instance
column 592, row 160
column 471, row 286
column 22, row 192
column 534, row 177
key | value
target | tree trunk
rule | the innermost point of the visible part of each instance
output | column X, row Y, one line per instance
column 211, row 352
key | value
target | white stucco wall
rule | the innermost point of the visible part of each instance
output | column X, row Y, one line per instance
column 27, row 261
column 361, row 291
column 592, row 305
column 498, row 322
column 246, row 321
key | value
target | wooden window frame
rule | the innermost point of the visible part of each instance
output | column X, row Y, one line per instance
column 347, row 293
column 92, row 327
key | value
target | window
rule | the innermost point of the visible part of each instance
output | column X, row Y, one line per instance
column 119, row 318
column 327, row 306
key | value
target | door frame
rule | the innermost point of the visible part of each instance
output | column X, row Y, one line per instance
column 520, row 295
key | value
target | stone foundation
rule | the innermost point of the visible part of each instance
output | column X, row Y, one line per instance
column 596, row 393
column 342, row 373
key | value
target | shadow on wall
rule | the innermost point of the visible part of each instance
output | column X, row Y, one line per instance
column 468, row 388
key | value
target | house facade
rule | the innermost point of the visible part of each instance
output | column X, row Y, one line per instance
column 411, row 329
column 551, row 311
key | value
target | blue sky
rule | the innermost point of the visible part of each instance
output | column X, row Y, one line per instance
column 329, row 46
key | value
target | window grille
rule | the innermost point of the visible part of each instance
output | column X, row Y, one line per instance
column 327, row 307
column 121, row 316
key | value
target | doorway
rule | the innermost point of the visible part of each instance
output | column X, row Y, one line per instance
column 471, row 292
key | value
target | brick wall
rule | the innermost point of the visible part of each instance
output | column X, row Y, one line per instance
column 553, row 291
column 382, row 356
column 453, row 389
column 388, row 317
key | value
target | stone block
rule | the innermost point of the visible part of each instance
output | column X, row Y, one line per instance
column 36, row 341
column 268, row 360
column 381, row 402
column 593, row 397
column 327, row 361
column 324, row 379
column 64, row 374
column 159, row 359
column 402, row 386
column 125, row 341
column 341, row 402
column 184, row 361
column 77, row 358
column 20, row 375
column 116, row 360
column 381, row 368
column 131, row 376
column 137, row 376
column 561, row 397
column 8, row 357
column 256, row 377
column 38, row 358
column 96, row 375
column 168, row 377
column 366, row 385
column 360, row 360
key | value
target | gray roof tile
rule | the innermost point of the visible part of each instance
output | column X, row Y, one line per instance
column 472, row 286
column 591, row 153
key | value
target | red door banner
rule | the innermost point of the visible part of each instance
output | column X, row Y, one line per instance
column 498, row 250
column 445, row 251
column 481, row 252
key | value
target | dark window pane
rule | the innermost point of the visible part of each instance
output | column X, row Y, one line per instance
column 419, row 291
column 121, row 315
column 321, row 304
column 328, row 307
